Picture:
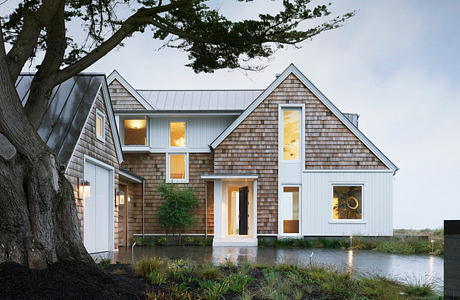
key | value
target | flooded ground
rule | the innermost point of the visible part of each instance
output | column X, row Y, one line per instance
column 408, row 268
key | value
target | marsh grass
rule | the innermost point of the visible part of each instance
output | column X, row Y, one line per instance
column 179, row 279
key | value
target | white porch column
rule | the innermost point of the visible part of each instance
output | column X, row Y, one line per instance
column 218, row 226
column 255, row 207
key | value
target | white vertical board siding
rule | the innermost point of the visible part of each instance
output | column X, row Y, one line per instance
column 317, row 203
column 200, row 132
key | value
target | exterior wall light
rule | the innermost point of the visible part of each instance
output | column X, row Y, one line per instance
column 84, row 189
column 119, row 198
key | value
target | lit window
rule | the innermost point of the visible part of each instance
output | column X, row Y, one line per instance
column 135, row 132
column 291, row 134
column 100, row 117
column 290, row 209
column 347, row 203
column 177, row 134
column 177, row 168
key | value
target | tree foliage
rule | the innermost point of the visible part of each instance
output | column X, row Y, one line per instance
column 176, row 212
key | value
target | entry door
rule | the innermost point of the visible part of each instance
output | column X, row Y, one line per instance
column 243, row 206
column 97, row 221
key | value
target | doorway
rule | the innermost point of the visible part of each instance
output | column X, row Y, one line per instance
column 238, row 210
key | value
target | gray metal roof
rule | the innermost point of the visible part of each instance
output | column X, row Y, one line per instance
column 68, row 109
column 200, row 100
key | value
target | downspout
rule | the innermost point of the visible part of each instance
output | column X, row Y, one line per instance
column 143, row 196
column 205, row 210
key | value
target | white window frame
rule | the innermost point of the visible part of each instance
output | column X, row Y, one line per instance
column 331, row 203
column 291, row 106
column 169, row 133
column 100, row 114
column 122, row 131
column 168, row 168
column 280, row 222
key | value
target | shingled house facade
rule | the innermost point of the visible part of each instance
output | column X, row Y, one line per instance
column 281, row 162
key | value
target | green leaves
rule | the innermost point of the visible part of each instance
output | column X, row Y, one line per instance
column 176, row 212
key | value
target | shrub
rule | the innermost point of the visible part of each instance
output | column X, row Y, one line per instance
column 176, row 212
column 419, row 289
column 147, row 266
column 104, row 263
column 207, row 272
column 119, row 272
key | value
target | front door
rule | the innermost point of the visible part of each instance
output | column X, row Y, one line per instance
column 243, row 206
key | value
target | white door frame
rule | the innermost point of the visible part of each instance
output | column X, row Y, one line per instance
column 111, row 212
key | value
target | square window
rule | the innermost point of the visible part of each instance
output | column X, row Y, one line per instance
column 347, row 202
column 177, row 134
column 135, row 132
column 100, row 124
column 177, row 167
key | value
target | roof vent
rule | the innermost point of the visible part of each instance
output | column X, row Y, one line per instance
column 277, row 75
column 353, row 118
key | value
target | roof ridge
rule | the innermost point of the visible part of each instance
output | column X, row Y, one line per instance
column 194, row 90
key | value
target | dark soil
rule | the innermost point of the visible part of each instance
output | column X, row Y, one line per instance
column 70, row 280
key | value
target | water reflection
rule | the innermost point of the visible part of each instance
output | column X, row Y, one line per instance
column 402, row 267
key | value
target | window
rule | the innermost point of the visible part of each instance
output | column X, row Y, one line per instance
column 177, row 134
column 100, row 124
column 347, row 202
column 177, row 167
column 291, row 134
column 290, row 209
column 135, row 132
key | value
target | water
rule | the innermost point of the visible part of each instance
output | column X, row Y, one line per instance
column 407, row 268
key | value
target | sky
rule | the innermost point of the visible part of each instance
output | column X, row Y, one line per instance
column 396, row 63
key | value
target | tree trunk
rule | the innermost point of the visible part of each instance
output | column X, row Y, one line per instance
column 38, row 218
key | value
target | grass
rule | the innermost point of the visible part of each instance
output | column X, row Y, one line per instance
column 179, row 279
column 404, row 241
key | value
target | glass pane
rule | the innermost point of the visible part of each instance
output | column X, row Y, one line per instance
column 99, row 126
column 135, row 132
column 291, row 134
column 177, row 166
column 347, row 203
column 177, row 134
column 290, row 209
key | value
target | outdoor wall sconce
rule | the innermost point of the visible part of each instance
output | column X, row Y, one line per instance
column 119, row 198
column 84, row 188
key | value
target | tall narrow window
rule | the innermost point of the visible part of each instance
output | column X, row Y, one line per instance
column 135, row 132
column 347, row 202
column 100, row 117
column 177, row 134
column 291, row 134
column 177, row 170
column 290, row 209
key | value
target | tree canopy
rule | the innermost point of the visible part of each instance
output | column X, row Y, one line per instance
column 211, row 40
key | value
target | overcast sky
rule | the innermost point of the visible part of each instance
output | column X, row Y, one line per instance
column 396, row 63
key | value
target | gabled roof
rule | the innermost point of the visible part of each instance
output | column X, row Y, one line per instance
column 69, row 107
column 200, row 100
column 116, row 76
column 293, row 70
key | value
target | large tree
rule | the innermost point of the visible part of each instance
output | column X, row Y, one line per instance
column 38, row 221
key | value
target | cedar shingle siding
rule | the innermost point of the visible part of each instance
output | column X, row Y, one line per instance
column 152, row 167
column 122, row 99
column 89, row 145
column 253, row 147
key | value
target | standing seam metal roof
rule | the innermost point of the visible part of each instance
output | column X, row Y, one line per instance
column 200, row 100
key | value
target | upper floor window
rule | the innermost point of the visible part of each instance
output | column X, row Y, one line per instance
column 177, row 134
column 100, row 125
column 291, row 134
column 177, row 167
column 347, row 202
column 135, row 132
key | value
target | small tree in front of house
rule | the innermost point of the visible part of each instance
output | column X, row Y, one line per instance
column 176, row 212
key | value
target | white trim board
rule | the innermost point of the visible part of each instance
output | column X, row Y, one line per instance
column 129, row 176
column 292, row 69
column 348, row 171
column 115, row 75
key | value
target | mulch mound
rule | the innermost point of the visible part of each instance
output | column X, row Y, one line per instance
column 70, row 280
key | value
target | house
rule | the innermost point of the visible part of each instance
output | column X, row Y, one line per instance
column 283, row 162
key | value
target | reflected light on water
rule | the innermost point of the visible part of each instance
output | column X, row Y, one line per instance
column 350, row 261
column 431, row 269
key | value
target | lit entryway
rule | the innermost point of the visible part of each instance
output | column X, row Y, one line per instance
column 98, row 213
